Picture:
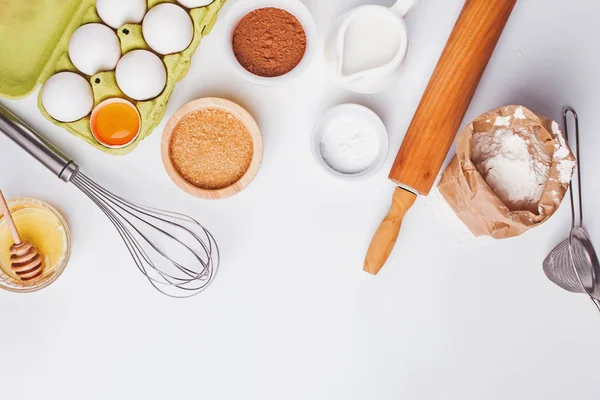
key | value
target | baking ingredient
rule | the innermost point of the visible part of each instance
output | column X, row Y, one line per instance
column 475, row 202
column 502, row 121
column 94, row 48
column 349, row 144
column 194, row 3
column 167, row 28
column 116, row 13
column 41, row 44
column 141, row 75
column 269, row 42
column 26, row 261
column 514, row 164
column 67, row 97
column 565, row 166
column 520, row 114
column 40, row 225
column 370, row 41
column 561, row 148
column 115, row 123
column 565, row 170
column 211, row 149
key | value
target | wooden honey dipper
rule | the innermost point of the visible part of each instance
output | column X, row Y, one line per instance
column 25, row 258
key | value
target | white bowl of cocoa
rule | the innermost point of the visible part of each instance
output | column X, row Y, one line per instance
column 270, row 42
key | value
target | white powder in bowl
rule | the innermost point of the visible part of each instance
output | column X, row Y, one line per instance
column 349, row 144
column 514, row 165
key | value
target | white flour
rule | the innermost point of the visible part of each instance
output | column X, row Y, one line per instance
column 565, row 167
column 514, row 165
column 502, row 121
column 520, row 114
column 349, row 144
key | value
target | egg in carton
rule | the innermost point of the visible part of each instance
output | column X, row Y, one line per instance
column 135, row 50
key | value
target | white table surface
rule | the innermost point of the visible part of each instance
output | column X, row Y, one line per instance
column 291, row 315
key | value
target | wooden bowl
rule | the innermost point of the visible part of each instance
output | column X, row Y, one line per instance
column 242, row 115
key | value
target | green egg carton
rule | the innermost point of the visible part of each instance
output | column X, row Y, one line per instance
column 34, row 40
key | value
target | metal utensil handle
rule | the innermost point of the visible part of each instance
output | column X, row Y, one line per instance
column 38, row 147
column 596, row 303
column 576, row 199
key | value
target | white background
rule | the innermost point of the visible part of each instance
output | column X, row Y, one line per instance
column 291, row 315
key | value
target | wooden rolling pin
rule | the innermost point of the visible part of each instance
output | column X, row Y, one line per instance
column 439, row 115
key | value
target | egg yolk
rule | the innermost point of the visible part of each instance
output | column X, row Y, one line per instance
column 116, row 124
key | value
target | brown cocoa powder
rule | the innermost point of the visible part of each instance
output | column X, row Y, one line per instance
column 269, row 42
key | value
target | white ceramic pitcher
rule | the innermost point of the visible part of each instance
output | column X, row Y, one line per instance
column 374, row 78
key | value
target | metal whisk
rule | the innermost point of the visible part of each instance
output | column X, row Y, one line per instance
column 573, row 264
column 178, row 256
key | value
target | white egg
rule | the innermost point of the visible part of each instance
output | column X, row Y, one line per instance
column 168, row 28
column 94, row 48
column 67, row 97
column 194, row 3
column 116, row 13
column 141, row 75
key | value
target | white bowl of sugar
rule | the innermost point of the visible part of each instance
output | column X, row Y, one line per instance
column 350, row 141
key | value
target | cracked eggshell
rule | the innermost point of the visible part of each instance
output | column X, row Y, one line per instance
column 194, row 3
column 168, row 28
column 67, row 97
column 116, row 13
column 94, row 48
column 141, row 75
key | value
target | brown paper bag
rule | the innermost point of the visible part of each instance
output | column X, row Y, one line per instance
column 480, row 209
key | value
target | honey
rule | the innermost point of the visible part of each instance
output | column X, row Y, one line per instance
column 42, row 226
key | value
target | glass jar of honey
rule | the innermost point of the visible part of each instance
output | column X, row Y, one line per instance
column 44, row 227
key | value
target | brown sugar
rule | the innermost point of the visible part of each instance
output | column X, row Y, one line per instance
column 269, row 42
column 211, row 149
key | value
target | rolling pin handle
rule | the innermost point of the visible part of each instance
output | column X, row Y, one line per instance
column 385, row 238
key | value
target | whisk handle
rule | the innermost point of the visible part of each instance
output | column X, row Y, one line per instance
column 38, row 147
